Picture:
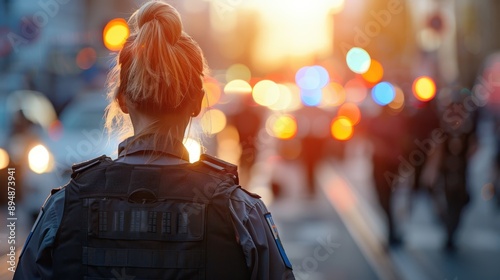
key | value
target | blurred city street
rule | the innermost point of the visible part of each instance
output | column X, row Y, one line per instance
column 338, row 233
column 347, row 212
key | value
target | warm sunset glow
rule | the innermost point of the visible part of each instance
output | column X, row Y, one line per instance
column 294, row 29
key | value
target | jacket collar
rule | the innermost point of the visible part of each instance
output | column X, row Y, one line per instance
column 145, row 143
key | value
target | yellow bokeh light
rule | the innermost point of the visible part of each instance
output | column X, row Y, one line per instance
column 424, row 88
column 237, row 87
column 266, row 93
column 284, row 127
column 238, row 72
column 39, row 159
column 194, row 149
column 375, row 73
column 341, row 128
column 213, row 121
column 4, row 159
column 115, row 34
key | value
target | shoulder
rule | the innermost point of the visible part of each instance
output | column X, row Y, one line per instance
column 244, row 205
column 242, row 195
column 81, row 167
column 56, row 197
column 217, row 168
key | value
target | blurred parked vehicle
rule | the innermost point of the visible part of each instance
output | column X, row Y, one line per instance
column 25, row 114
column 79, row 135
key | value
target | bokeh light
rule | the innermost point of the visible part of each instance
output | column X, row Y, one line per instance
column 295, row 101
column 266, row 93
column 212, row 93
column 284, row 127
column 429, row 40
column 213, row 121
column 311, row 97
column 355, row 90
column 4, row 159
column 358, row 60
column 36, row 107
column 238, row 72
column 383, row 93
column 333, row 95
column 285, row 99
column 312, row 77
column 115, row 34
column 39, row 159
column 350, row 111
column 375, row 73
column 237, row 86
column 194, row 149
column 341, row 129
column 86, row 58
column 399, row 100
column 228, row 144
column 424, row 88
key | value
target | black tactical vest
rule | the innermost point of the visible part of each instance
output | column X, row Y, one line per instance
column 137, row 222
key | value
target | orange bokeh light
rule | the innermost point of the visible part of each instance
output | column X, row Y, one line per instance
column 86, row 58
column 375, row 73
column 424, row 88
column 115, row 34
column 351, row 112
column 342, row 128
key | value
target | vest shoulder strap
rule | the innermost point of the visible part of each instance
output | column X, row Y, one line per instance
column 83, row 166
column 220, row 166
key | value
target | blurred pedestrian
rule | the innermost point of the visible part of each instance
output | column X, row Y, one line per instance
column 387, row 132
column 420, row 127
column 248, row 122
column 459, row 125
column 313, row 128
column 488, row 86
column 151, row 214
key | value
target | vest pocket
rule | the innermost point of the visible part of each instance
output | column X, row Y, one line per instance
column 176, row 221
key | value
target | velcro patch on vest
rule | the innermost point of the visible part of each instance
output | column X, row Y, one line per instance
column 274, row 230
column 161, row 221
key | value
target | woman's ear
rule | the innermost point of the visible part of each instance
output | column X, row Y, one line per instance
column 122, row 103
column 197, row 104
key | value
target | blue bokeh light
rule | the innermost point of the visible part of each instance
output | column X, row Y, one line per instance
column 312, row 77
column 383, row 93
column 311, row 97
